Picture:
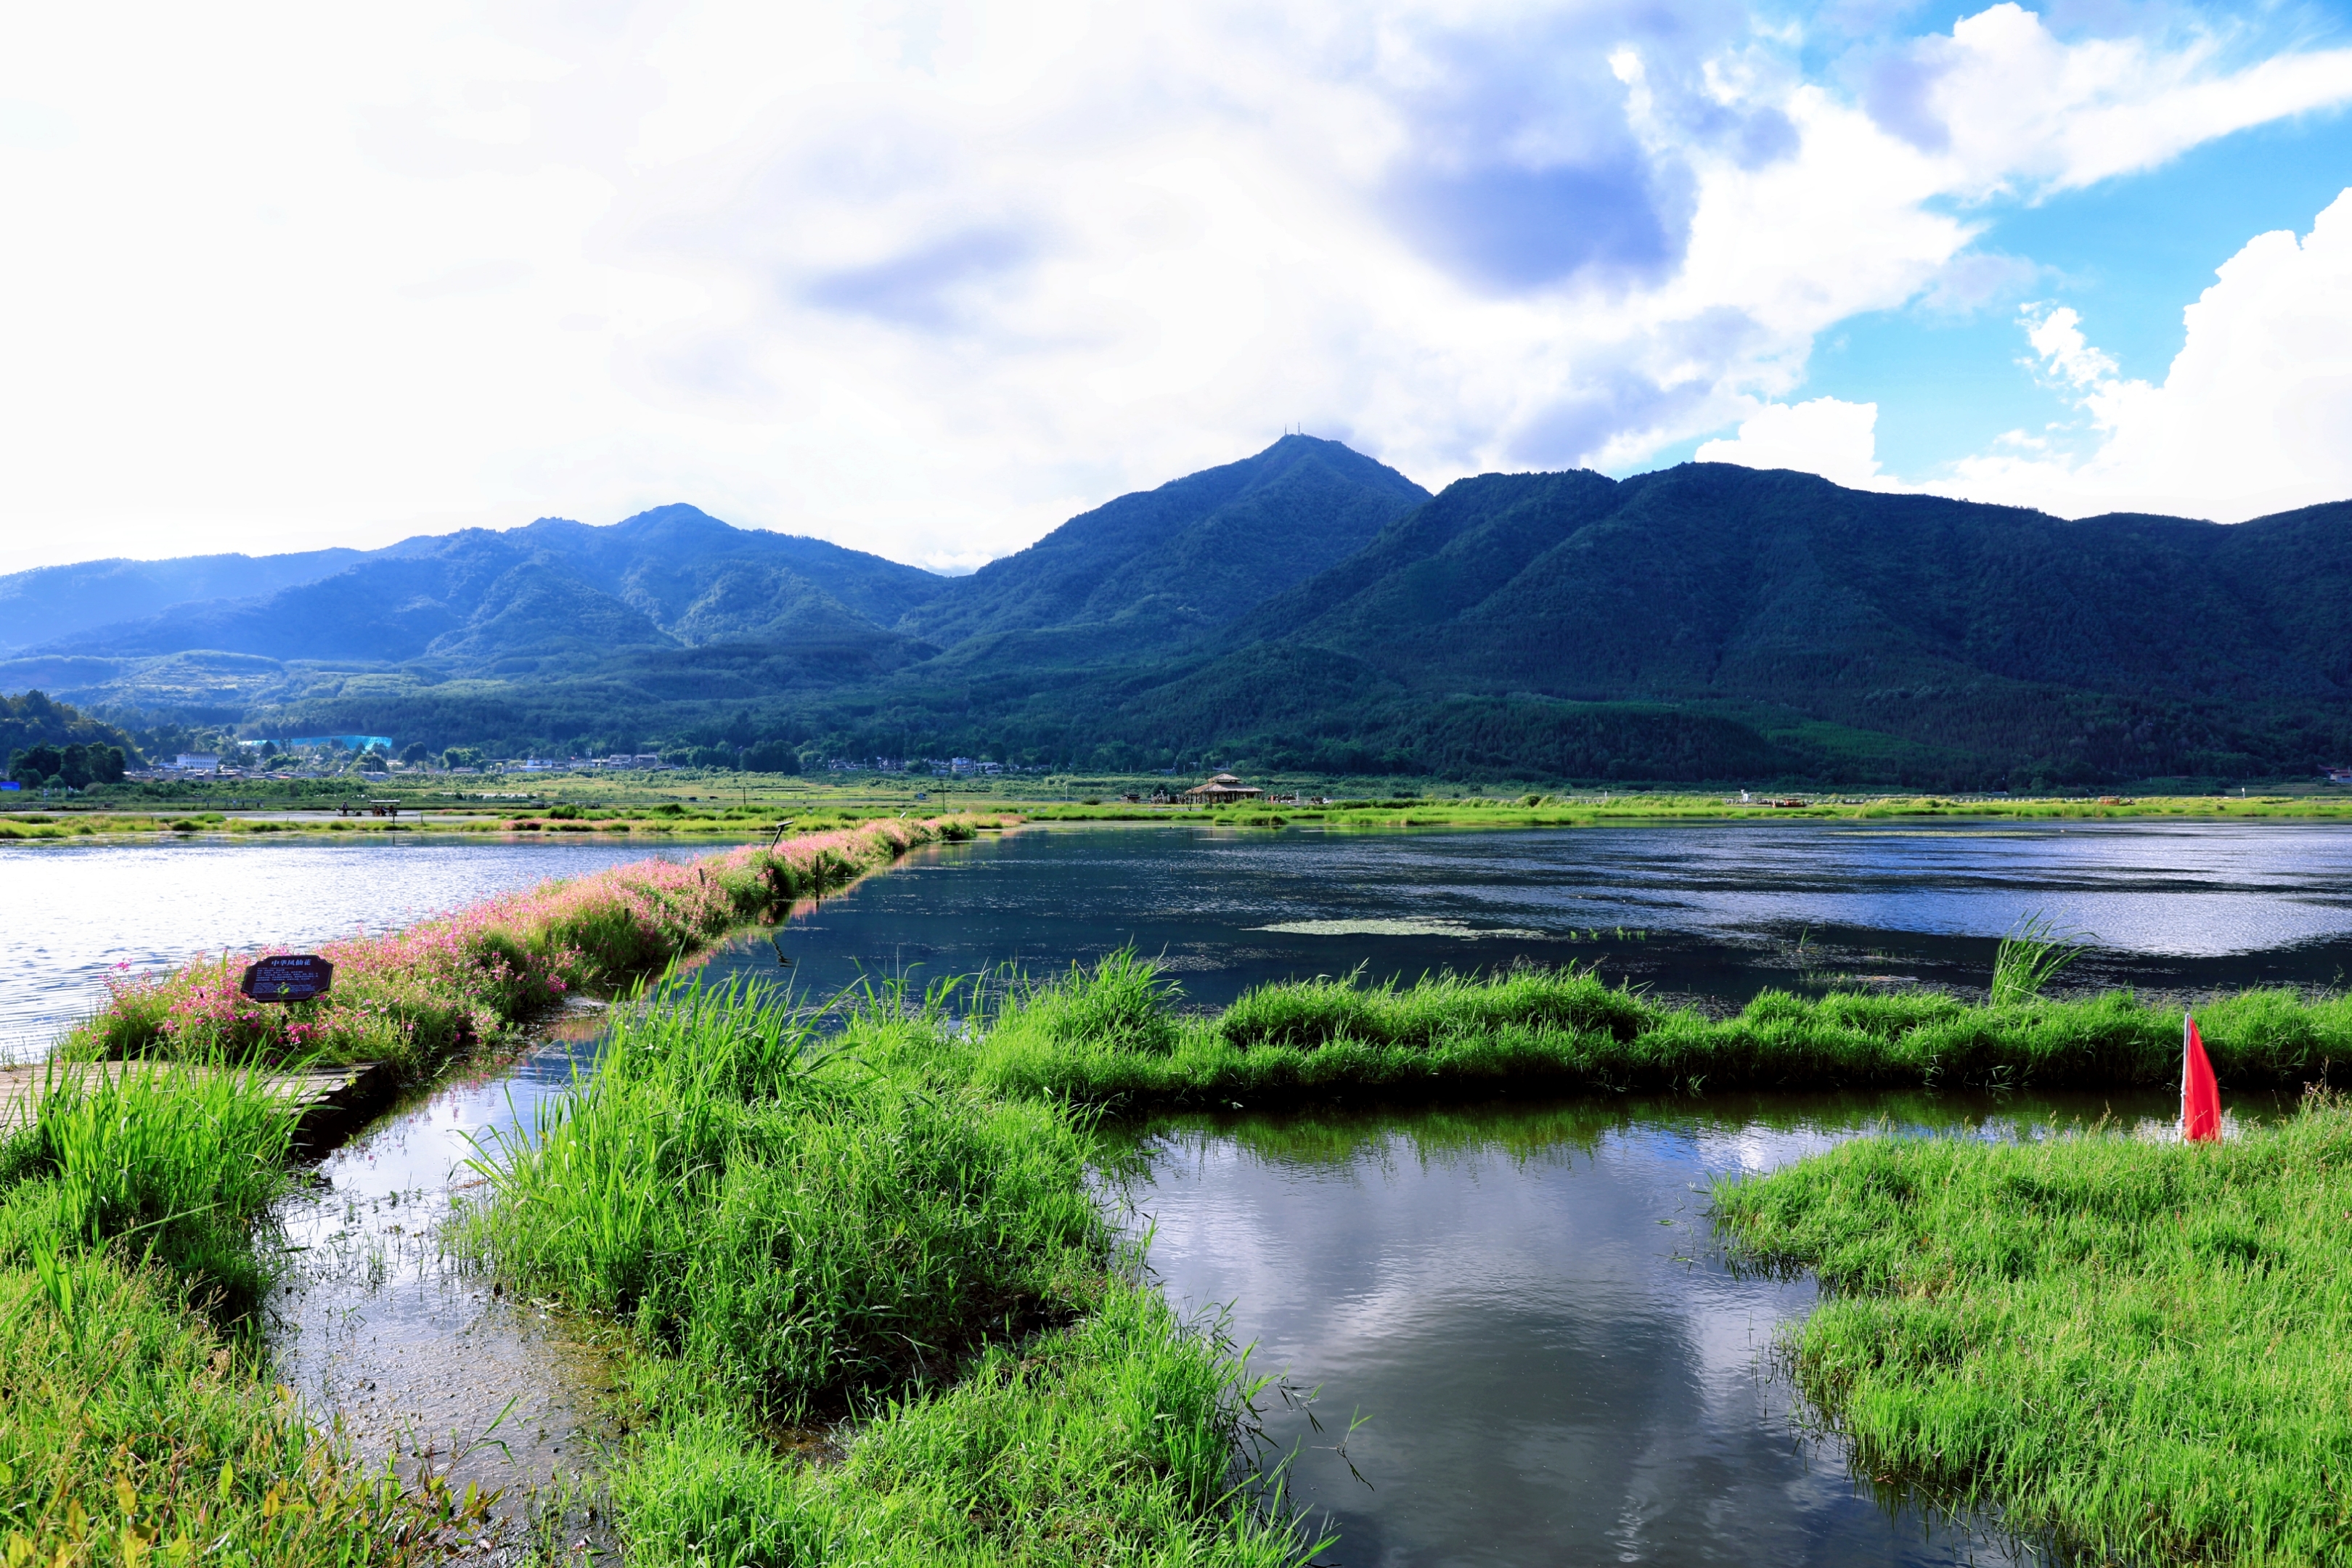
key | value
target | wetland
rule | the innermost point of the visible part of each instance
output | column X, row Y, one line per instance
column 1525, row 1294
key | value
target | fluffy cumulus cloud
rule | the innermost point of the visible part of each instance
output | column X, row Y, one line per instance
column 927, row 279
column 1826, row 435
column 2251, row 417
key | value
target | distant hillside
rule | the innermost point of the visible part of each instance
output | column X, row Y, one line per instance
column 50, row 603
column 555, row 593
column 1309, row 609
column 32, row 720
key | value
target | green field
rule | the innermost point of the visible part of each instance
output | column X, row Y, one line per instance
column 730, row 805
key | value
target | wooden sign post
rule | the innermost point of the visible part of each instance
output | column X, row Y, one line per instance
column 288, row 977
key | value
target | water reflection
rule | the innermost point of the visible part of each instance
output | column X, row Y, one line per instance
column 1527, row 1303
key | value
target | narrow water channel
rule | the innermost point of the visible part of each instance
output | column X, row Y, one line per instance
column 420, row 1357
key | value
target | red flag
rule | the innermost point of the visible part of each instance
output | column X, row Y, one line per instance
column 2200, row 1096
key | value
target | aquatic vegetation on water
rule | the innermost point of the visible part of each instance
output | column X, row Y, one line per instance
column 1461, row 929
column 2136, row 1346
column 413, row 997
column 1566, row 1030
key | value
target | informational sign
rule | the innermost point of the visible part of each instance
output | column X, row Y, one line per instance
column 288, row 977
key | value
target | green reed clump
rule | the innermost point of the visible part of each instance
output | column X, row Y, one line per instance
column 791, row 1227
column 2029, row 957
column 1566, row 1031
column 139, row 1418
column 798, row 1228
column 2138, row 1346
column 1111, row 1440
column 1312, row 1013
column 132, row 1432
column 172, row 1162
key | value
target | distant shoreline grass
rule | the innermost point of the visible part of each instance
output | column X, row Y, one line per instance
column 2136, row 1347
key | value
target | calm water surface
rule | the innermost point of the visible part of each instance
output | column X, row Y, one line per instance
column 1716, row 911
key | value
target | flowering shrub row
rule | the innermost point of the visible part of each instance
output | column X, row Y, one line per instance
column 411, row 997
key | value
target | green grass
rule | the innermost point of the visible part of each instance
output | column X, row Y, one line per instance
column 2136, row 1346
column 1566, row 1031
column 1112, row 1441
column 790, row 1232
column 139, row 1420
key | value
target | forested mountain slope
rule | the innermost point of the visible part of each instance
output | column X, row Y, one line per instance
column 1154, row 570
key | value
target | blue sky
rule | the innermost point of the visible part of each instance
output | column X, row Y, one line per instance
column 928, row 279
column 2128, row 253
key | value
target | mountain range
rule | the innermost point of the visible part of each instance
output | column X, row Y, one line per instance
column 1306, row 608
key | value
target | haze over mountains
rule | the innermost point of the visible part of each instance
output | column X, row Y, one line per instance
column 1305, row 608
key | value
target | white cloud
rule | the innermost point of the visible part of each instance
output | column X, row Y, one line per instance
column 2062, row 351
column 927, row 279
column 2250, row 418
column 1826, row 437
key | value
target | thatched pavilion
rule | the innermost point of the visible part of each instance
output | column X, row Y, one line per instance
column 1222, row 788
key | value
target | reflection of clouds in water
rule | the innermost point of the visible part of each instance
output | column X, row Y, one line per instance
column 1747, row 1149
column 1558, row 1364
column 2141, row 887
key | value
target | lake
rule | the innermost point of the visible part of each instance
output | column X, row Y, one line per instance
column 1714, row 913
column 1523, row 1298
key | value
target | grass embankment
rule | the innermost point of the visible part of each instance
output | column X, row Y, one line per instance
column 412, row 997
column 1115, row 1036
column 2138, row 1347
column 139, row 1422
column 791, row 1233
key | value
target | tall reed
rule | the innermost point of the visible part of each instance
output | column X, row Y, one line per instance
column 791, row 1229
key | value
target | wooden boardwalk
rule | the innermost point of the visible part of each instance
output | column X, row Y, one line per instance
column 332, row 1102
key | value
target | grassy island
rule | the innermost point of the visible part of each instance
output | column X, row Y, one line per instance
column 1115, row 1036
column 2135, row 1347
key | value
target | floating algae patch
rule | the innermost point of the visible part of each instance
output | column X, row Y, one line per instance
column 1397, row 928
